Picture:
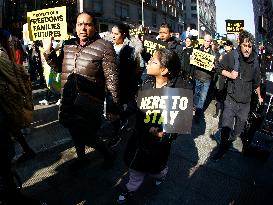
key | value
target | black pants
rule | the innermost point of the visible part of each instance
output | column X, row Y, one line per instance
column 7, row 152
column 235, row 115
column 86, row 134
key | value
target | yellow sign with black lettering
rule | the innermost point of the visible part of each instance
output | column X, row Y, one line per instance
column 47, row 23
column 234, row 26
column 136, row 32
column 202, row 59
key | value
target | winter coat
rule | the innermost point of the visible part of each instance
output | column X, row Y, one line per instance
column 128, row 60
column 175, row 46
column 240, row 89
column 144, row 151
column 187, row 68
column 86, row 70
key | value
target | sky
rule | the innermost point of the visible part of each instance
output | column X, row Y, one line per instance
column 234, row 10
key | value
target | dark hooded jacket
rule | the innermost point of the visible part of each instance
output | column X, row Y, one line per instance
column 240, row 89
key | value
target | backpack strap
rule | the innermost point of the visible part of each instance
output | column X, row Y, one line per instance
column 236, row 60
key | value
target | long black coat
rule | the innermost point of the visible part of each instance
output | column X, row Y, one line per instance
column 145, row 152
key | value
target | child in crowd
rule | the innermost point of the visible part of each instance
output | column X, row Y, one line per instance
column 148, row 149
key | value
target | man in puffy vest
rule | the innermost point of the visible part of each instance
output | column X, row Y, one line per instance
column 241, row 84
column 88, row 67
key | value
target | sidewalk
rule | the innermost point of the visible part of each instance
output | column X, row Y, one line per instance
column 192, row 178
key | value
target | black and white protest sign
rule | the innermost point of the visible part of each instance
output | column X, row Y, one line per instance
column 170, row 108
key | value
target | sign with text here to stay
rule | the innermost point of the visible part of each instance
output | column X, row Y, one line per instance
column 170, row 108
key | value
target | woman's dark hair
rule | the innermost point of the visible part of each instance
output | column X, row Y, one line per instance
column 170, row 60
column 18, row 45
column 123, row 29
column 4, row 41
column 248, row 36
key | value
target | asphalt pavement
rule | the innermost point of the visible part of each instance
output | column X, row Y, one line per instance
column 193, row 179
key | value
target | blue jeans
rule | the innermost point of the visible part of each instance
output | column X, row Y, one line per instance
column 200, row 93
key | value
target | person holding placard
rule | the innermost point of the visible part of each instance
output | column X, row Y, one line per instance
column 203, row 79
column 148, row 148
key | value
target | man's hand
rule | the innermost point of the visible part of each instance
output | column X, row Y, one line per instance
column 154, row 131
column 234, row 74
column 113, row 117
column 261, row 100
column 47, row 44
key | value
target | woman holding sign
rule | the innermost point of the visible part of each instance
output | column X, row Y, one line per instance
column 149, row 147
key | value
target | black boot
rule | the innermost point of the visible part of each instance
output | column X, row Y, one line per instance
column 224, row 144
column 109, row 155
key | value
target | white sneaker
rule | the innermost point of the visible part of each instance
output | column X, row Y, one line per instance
column 43, row 102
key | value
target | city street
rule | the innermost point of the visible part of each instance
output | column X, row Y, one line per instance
column 192, row 178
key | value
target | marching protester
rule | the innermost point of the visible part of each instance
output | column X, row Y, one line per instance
column 187, row 68
column 88, row 67
column 148, row 149
column 165, row 35
column 202, row 81
column 9, row 193
column 128, row 59
column 240, row 85
column 35, row 64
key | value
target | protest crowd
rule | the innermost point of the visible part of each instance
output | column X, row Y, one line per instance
column 160, row 84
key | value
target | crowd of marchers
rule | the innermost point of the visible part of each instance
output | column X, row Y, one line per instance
column 112, row 69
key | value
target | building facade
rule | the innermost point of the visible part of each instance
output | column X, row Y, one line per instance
column 200, row 15
column 130, row 11
column 263, row 17
column 108, row 12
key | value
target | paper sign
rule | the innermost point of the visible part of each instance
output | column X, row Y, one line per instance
column 202, row 59
column 48, row 23
column 169, row 108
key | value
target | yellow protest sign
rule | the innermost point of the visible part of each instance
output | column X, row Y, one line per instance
column 136, row 31
column 47, row 23
column 202, row 59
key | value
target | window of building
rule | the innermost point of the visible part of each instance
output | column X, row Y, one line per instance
column 121, row 9
column 154, row 3
column 193, row 8
column 154, row 19
column 103, row 27
column 97, row 6
column 193, row 1
column 194, row 15
column 164, row 7
column 139, row 14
